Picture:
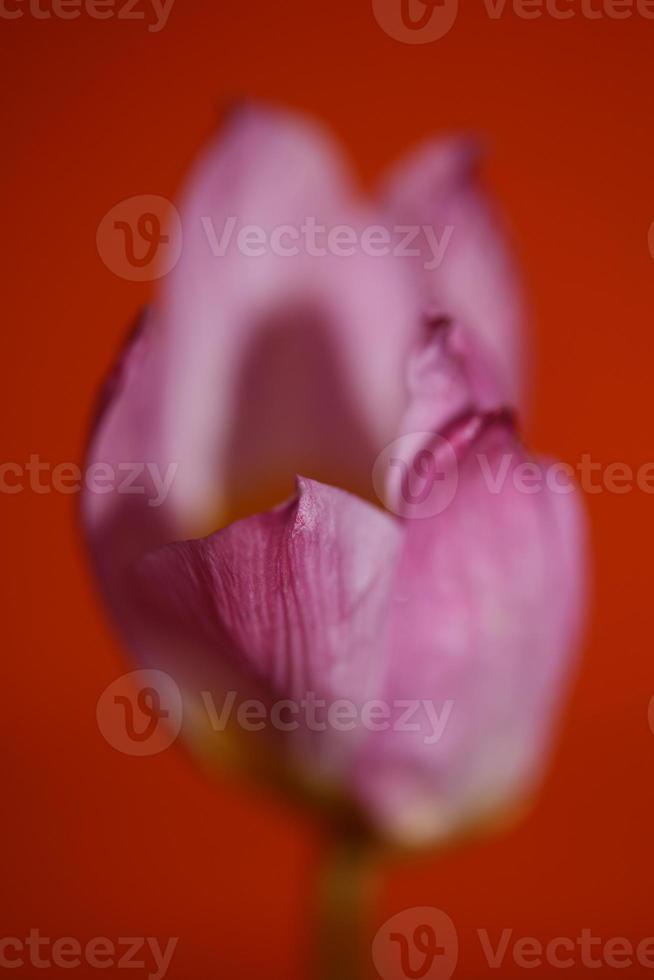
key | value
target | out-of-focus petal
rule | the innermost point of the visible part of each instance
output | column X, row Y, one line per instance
column 256, row 367
column 476, row 282
column 296, row 599
column 449, row 376
column 488, row 603
column 125, row 506
column 279, row 363
column 251, row 368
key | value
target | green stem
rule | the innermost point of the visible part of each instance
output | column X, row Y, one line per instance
column 346, row 893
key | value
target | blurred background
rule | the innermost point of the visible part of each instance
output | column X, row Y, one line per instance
column 96, row 843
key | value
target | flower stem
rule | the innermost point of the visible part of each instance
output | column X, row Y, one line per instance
column 346, row 892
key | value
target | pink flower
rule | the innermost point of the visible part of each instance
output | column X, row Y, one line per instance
column 414, row 657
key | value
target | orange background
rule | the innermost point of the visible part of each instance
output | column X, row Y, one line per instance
column 98, row 844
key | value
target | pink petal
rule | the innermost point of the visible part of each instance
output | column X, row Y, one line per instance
column 250, row 369
column 278, row 364
column 488, row 603
column 448, row 377
column 126, row 439
column 296, row 600
column 476, row 283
